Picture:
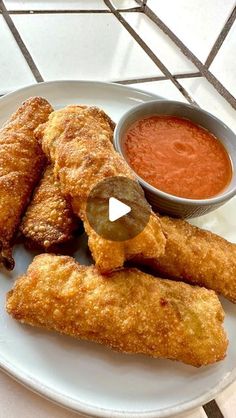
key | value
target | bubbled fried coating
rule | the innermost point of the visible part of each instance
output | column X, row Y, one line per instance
column 130, row 312
column 77, row 139
column 49, row 220
column 198, row 257
column 21, row 163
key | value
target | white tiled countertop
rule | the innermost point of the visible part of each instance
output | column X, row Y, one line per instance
column 179, row 49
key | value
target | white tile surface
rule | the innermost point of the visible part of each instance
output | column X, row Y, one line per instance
column 223, row 66
column 196, row 22
column 160, row 43
column 14, row 70
column 123, row 4
column 227, row 402
column 87, row 46
column 208, row 98
column 196, row 413
column 54, row 4
column 163, row 88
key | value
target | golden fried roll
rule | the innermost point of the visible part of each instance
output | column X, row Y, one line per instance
column 21, row 163
column 131, row 312
column 198, row 257
column 77, row 139
column 49, row 220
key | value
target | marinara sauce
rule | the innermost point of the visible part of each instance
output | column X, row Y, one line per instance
column 178, row 157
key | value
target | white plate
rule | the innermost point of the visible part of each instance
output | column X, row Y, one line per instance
column 86, row 376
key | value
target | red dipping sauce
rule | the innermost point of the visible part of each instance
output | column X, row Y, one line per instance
column 178, row 157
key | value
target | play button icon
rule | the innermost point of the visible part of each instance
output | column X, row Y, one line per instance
column 117, row 209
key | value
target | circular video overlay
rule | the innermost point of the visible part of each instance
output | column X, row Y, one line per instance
column 117, row 209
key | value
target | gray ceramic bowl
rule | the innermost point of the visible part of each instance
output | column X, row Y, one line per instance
column 164, row 202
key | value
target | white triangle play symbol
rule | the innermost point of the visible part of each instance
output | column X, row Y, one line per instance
column 117, row 209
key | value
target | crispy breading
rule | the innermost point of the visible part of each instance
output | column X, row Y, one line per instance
column 198, row 257
column 49, row 219
column 77, row 139
column 21, row 163
column 130, row 311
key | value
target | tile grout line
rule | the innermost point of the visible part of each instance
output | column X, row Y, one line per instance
column 149, row 52
column 157, row 78
column 212, row 410
column 72, row 11
column 38, row 77
column 201, row 67
column 220, row 39
column 143, row 4
column 56, row 11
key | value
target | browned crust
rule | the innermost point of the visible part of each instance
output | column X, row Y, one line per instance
column 78, row 139
column 21, row 163
column 49, row 220
column 198, row 257
column 130, row 311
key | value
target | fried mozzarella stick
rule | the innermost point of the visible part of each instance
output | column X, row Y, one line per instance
column 49, row 220
column 77, row 139
column 130, row 312
column 21, row 163
column 198, row 257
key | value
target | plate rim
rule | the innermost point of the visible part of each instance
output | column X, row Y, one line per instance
column 74, row 81
column 71, row 403
column 89, row 410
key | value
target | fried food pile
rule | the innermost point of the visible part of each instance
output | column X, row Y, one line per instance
column 123, row 308
column 77, row 140
column 21, row 164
